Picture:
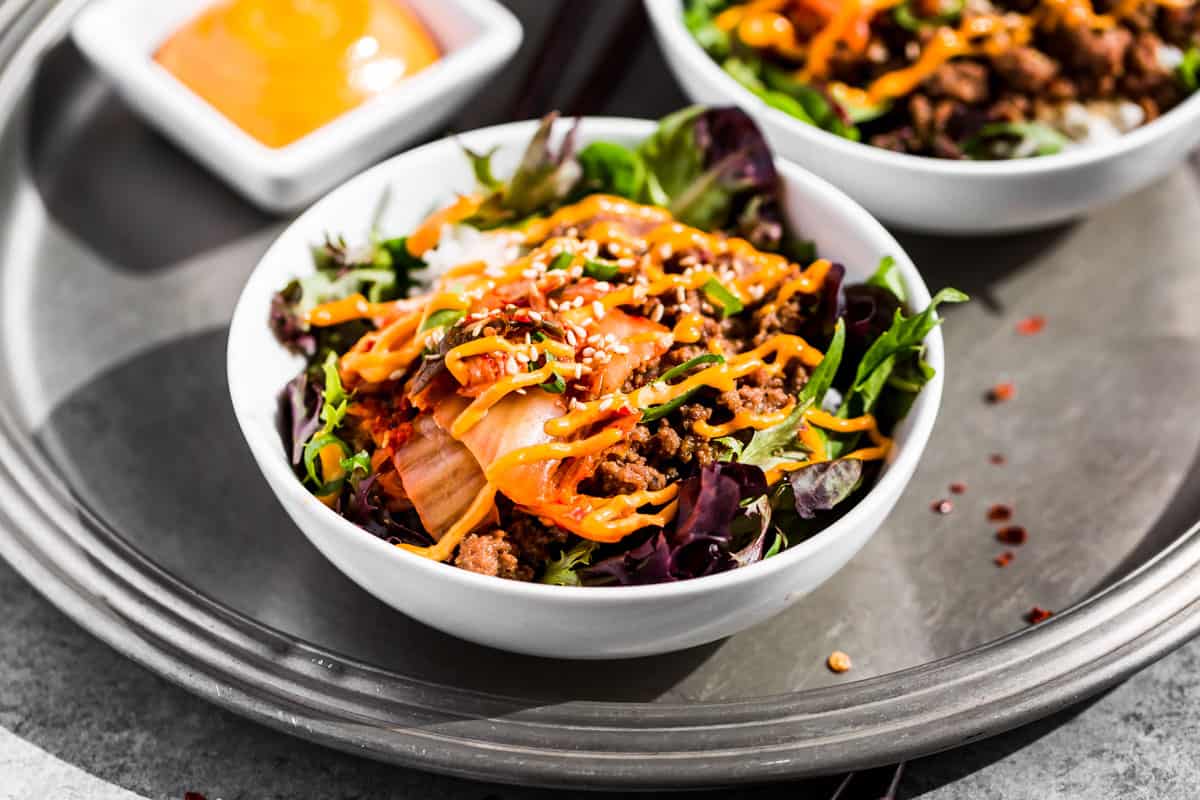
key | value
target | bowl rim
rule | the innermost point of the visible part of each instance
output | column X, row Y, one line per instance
column 250, row 320
column 168, row 101
column 667, row 20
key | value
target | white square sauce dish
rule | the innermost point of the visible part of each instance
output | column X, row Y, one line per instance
column 470, row 39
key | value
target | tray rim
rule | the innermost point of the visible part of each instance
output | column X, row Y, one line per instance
column 162, row 623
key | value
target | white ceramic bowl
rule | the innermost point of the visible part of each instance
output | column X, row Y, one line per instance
column 570, row 622
column 937, row 195
column 121, row 36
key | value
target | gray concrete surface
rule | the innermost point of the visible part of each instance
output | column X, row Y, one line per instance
column 80, row 722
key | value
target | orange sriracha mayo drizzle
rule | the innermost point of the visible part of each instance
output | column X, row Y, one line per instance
column 761, row 24
column 280, row 69
column 589, row 428
column 480, row 509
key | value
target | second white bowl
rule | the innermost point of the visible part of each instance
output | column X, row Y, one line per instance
column 557, row 621
column 937, row 195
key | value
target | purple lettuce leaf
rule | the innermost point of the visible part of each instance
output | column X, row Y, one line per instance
column 700, row 542
column 287, row 323
column 821, row 486
column 299, row 414
column 714, row 169
column 364, row 508
column 758, row 513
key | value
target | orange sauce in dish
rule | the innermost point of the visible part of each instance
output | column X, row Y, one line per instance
column 280, row 69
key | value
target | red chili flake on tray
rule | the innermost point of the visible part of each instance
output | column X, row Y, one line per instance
column 998, row 459
column 1013, row 534
column 1004, row 559
column 1002, row 392
column 1038, row 614
column 1000, row 513
column 958, row 488
column 942, row 506
column 1031, row 325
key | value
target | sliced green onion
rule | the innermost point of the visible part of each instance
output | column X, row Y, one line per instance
column 359, row 462
column 562, row 261
column 443, row 318
column 312, row 452
column 726, row 299
column 907, row 18
column 556, row 385
column 658, row 412
column 682, row 369
column 600, row 270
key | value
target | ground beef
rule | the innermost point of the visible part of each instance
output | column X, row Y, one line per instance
column 1098, row 53
column 491, row 554
column 762, row 393
column 1181, row 26
column 964, row 81
column 1145, row 75
column 516, row 552
column 1026, row 69
column 1028, row 82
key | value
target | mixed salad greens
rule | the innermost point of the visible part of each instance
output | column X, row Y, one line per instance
column 755, row 494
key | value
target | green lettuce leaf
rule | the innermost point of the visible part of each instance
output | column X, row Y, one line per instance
column 561, row 571
column 769, row 444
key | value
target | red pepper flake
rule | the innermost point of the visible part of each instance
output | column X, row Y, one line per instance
column 1004, row 559
column 998, row 459
column 1000, row 513
column 193, row 796
column 1038, row 614
column 1013, row 534
column 958, row 488
column 942, row 506
column 1031, row 326
column 1001, row 392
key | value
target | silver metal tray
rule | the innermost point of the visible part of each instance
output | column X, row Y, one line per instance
column 128, row 498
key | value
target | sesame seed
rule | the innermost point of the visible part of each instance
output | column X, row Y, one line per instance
column 605, row 404
column 665, row 251
column 680, row 295
column 522, row 358
column 536, row 316
column 598, row 309
column 571, row 340
column 659, row 386
column 656, row 313
column 620, row 349
column 553, row 305
column 578, row 302
column 578, row 371
column 529, row 273
column 588, row 351
column 603, row 286
column 626, row 263
column 511, row 366
column 685, row 308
